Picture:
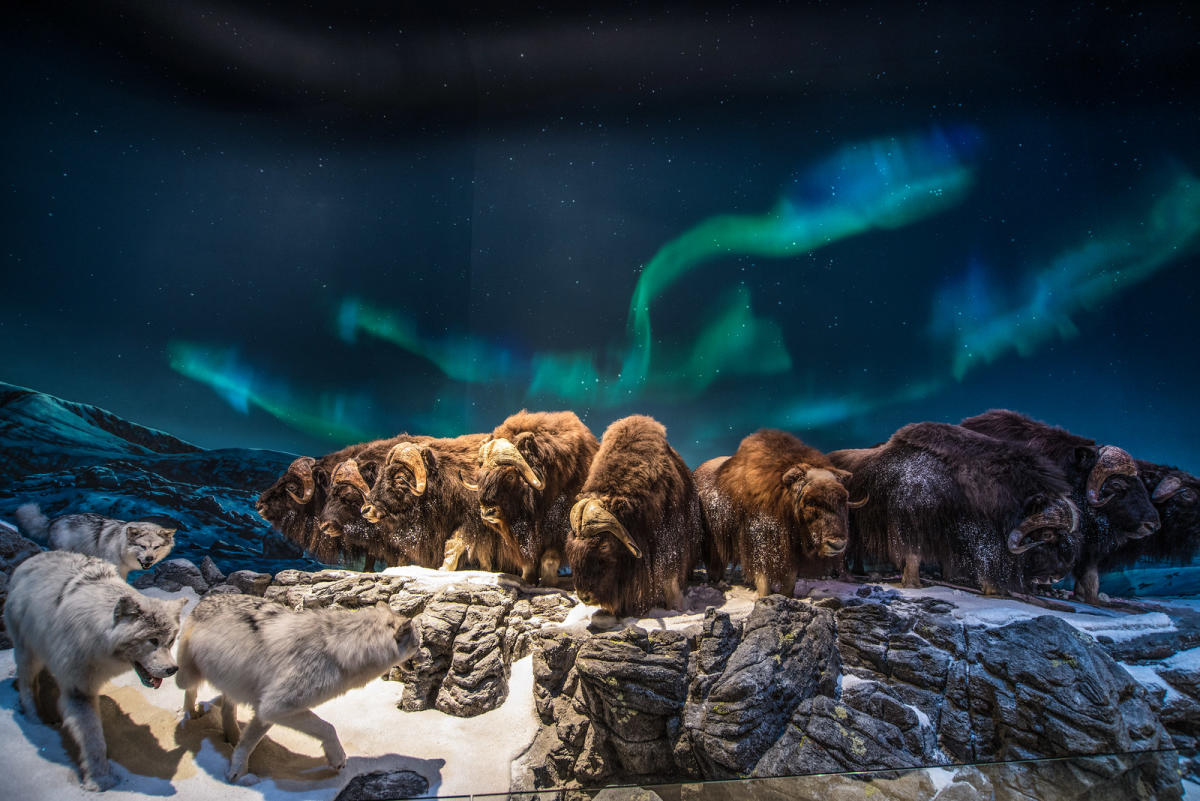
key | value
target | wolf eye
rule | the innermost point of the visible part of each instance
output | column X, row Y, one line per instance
column 154, row 641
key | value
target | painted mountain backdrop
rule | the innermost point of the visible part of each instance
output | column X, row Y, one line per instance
column 71, row 457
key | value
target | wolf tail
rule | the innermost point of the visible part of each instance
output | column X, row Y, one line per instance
column 32, row 523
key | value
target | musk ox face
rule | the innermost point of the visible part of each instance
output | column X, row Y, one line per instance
column 1177, row 499
column 401, row 482
column 821, row 502
column 349, row 487
column 293, row 491
column 1115, row 489
column 1048, row 538
column 603, row 556
column 509, row 483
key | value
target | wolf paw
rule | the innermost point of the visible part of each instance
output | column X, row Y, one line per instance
column 336, row 759
column 200, row 710
column 100, row 783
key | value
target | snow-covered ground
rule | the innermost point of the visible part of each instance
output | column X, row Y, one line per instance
column 155, row 756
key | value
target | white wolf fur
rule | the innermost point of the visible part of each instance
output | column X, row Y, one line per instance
column 73, row 615
column 130, row 546
column 283, row 663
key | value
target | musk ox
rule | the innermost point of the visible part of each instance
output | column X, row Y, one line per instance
column 1115, row 504
column 291, row 505
column 341, row 516
column 992, row 512
column 635, row 529
column 1176, row 496
column 527, row 475
column 429, row 516
column 774, row 506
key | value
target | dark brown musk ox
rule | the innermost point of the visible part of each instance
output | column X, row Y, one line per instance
column 527, row 475
column 1176, row 496
column 341, row 516
column 991, row 512
column 1106, row 486
column 292, row 504
column 635, row 528
column 775, row 506
column 429, row 517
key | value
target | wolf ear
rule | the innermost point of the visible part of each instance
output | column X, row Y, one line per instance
column 169, row 532
column 127, row 607
column 131, row 531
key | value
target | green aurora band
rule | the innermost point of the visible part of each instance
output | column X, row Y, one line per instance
column 1084, row 277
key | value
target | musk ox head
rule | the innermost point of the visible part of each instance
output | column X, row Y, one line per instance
column 602, row 554
column 401, row 483
column 1045, row 521
column 821, row 503
column 1115, row 489
column 349, row 486
column 290, row 504
column 508, row 478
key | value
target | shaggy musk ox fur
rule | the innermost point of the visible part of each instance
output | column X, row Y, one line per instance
column 635, row 530
column 426, row 514
column 1115, row 504
column 988, row 511
column 341, row 517
column 773, row 506
column 1176, row 496
column 528, row 473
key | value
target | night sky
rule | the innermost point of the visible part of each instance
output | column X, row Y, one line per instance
column 250, row 226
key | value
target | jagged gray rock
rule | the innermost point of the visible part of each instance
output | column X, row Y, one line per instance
column 249, row 582
column 867, row 684
column 382, row 785
column 211, row 574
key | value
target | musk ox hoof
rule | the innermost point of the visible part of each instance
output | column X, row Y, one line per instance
column 603, row 621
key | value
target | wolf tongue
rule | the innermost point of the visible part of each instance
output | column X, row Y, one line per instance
column 156, row 682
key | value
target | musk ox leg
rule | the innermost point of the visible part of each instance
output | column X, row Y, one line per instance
column 989, row 588
column 762, row 585
column 551, row 560
column 911, row 577
column 1087, row 584
column 673, row 594
column 788, row 585
column 455, row 548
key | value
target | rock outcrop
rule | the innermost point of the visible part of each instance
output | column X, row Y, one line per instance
column 799, row 688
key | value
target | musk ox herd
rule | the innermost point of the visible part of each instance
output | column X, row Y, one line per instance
column 1002, row 502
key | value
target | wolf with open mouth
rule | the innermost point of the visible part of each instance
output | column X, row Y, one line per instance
column 74, row 616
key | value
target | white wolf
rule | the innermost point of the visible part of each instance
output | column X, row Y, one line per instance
column 130, row 546
column 73, row 615
column 283, row 663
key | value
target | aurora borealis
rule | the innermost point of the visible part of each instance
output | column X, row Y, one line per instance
column 833, row 246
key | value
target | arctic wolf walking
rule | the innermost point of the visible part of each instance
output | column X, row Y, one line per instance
column 129, row 546
column 283, row 663
column 73, row 615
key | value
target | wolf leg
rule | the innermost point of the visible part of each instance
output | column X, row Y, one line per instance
column 81, row 717
column 27, row 671
column 309, row 723
column 239, row 763
column 229, row 724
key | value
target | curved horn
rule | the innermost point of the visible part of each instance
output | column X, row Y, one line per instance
column 409, row 453
column 590, row 516
column 502, row 452
column 858, row 504
column 1061, row 514
column 463, row 480
column 347, row 473
column 303, row 468
column 1112, row 461
column 1166, row 489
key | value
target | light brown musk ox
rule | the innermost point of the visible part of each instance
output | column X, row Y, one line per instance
column 776, row 506
column 527, row 475
column 635, row 529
